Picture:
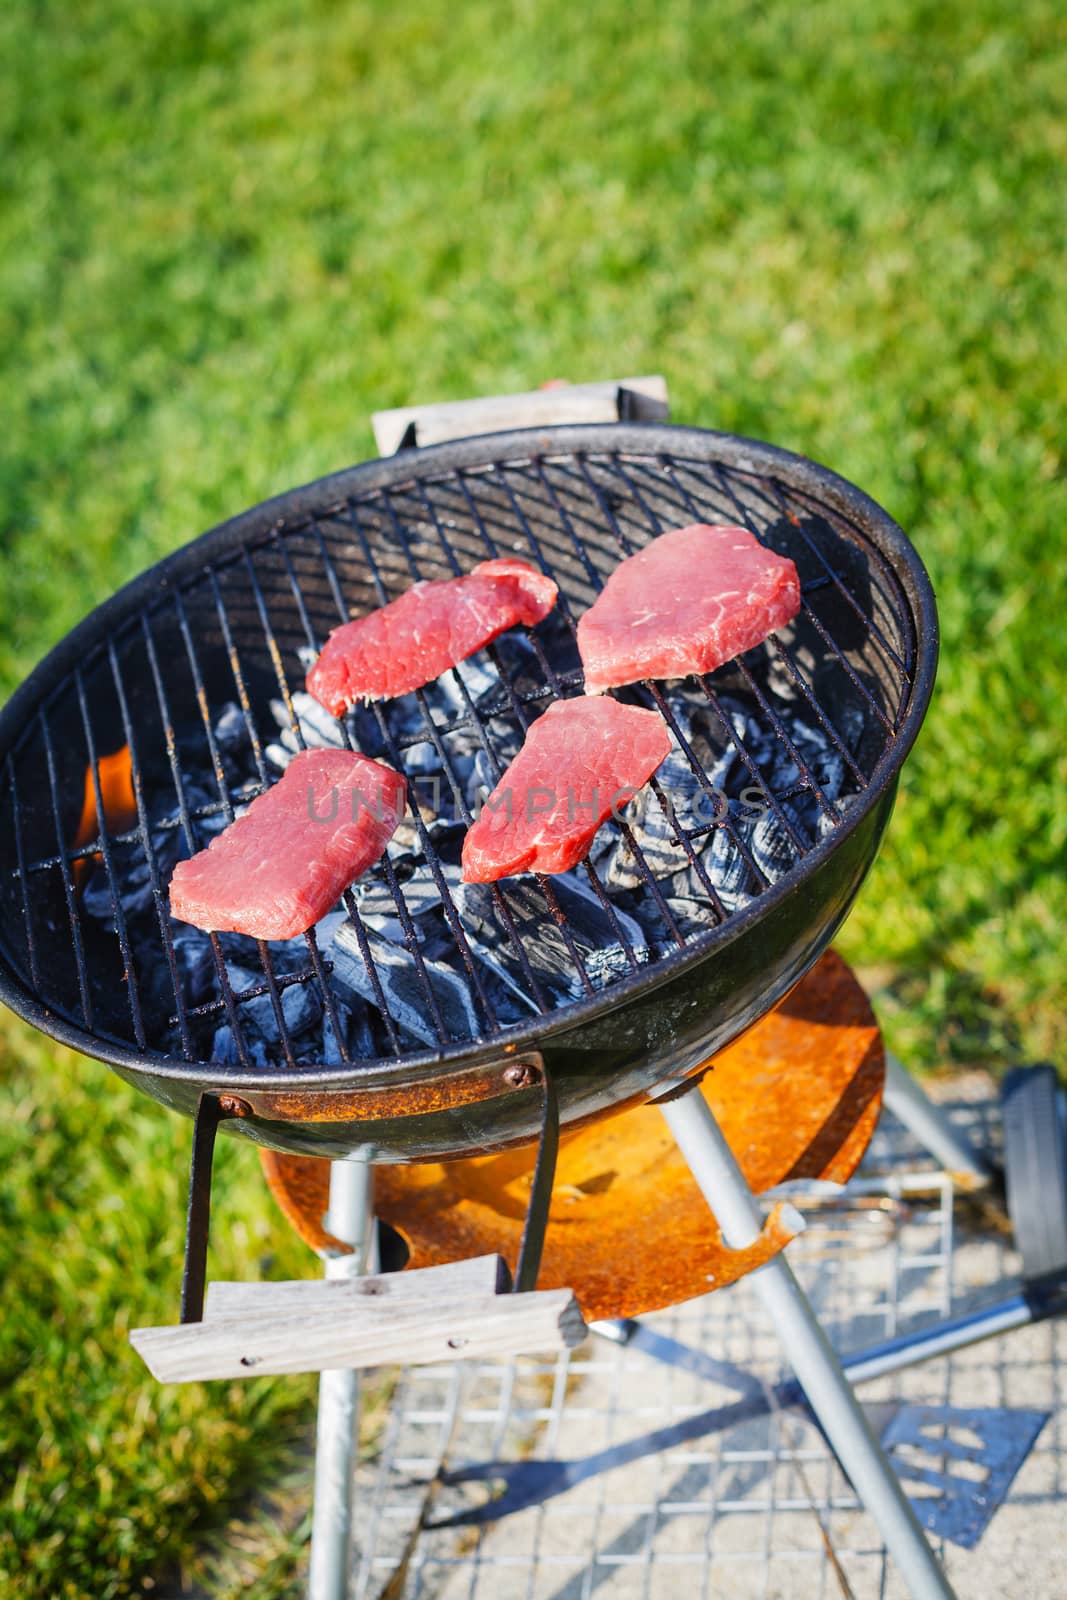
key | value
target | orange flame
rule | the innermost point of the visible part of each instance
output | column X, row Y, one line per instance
column 120, row 807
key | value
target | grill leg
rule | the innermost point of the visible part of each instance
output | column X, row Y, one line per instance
column 350, row 1217
column 829, row 1393
column 911, row 1106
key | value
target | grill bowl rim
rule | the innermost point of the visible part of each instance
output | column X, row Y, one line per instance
column 293, row 509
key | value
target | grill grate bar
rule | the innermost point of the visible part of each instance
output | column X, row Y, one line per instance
column 257, row 752
column 254, row 991
column 183, row 808
column 65, row 874
column 239, row 682
column 656, row 786
column 309, row 938
column 638, row 855
column 448, row 905
column 785, row 655
column 410, row 936
column 162, row 916
column 695, row 766
column 653, row 689
column 132, row 990
column 816, row 621
column 247, row 794
column 553, row 677
column 827, row 807
column 27, row 920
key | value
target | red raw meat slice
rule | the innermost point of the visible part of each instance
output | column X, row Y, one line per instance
column 581, row 761
column 281, row 866
column 414, row 639
column 687, row 602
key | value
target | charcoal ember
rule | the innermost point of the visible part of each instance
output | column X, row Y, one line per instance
column 195, row 961
column 726, row 867
column 691, row 801
column 799, row 811
column 132, row 876
column 402, row 985
column 594, row 934
column 318, row 730
column 450, row 696
column 353, row 1031
column 522, row 675
column 231, row 730
column 300, row 1002
column 224, row 1051
column 489, row 765
column 418, row 886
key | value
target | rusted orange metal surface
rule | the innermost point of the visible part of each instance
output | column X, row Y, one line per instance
column 798, row 1096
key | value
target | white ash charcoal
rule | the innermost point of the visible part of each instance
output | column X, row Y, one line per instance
column 224, row 1051
column 419, row 889
column 690, row 806
column 591, row 928
column 300, row 1003
column 132, row 876
column 318, row 729
column 355, row 1030
column 231, row 729
column 402, row 986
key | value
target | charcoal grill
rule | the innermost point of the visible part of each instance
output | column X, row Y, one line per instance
column 222, row 623
column 176, row 702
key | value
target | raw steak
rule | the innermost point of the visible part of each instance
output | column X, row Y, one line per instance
column 687, row 602
column 581, row 761
column 281, row 866
column 414, row 639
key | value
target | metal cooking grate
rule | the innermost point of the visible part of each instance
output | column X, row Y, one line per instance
column 233, row 629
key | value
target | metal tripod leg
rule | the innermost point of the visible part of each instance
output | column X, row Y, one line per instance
column 910, row 1105
column 829, row 1393
column 350, row 1217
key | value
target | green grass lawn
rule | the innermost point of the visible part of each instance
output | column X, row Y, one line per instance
column 229, row 232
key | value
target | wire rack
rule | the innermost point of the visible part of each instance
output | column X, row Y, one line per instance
column 668, row 1496
column 232, row 632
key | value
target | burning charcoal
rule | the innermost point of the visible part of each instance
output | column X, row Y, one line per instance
column 301, row 1006
column 195, row 961
column 693, row 915
column 318, row 728
column 357, row 1037
column 224, row 1052
column 231, row 730
column 655, row 831
column 419, row 888
column 402, row 986
column 133, row 880
column 727, row 870
column 590, row 926
column 445, row 697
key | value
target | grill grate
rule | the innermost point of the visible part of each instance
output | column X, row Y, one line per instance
column 232, row 630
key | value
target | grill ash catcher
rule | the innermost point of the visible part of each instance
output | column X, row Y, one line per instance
column 428, row 1034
